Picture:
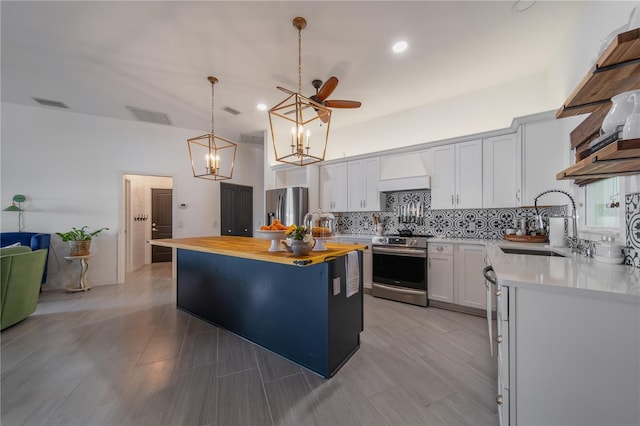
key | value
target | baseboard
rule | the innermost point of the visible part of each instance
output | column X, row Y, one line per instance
column 459, row 308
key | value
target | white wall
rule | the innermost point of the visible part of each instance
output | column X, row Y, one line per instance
column 70, row 168
column 488, row 109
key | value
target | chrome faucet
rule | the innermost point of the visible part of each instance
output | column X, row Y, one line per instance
column 574, row 242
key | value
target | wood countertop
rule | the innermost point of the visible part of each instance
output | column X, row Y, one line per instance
column 257, row 249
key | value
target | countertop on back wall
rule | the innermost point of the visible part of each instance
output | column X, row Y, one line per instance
column 572, row 273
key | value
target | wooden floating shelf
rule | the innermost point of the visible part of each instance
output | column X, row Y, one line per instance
column 619, row 158
column 616, row 71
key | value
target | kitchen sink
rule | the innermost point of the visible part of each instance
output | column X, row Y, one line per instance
column 534, row 252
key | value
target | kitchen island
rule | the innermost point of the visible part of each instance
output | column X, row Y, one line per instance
column 299, row 307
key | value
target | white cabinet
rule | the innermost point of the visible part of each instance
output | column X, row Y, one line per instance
column 456, row 175
column 367, row 258
column 469, row 286
column 455, row 274
column 440, row 272
column 333, row 187
column 502, row 171
column 362, row 190
column 567, row 358
column 543, row 145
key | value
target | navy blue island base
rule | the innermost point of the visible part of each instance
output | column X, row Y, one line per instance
column 300, row 313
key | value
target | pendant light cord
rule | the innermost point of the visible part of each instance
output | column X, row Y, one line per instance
column 212, row 106
column 299, row 61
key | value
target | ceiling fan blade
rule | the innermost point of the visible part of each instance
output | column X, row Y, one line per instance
column 342, row 104
column 286, row 90
column 324, row 116
column 327, row 88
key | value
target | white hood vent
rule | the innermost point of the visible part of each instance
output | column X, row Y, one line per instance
column 404, row 184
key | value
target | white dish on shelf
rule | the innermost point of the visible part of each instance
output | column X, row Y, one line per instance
column 274, row 236
column 610, row 260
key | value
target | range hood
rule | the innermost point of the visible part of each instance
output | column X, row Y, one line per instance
column 404, row 183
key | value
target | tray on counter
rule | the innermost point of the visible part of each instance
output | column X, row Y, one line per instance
column 526, row 238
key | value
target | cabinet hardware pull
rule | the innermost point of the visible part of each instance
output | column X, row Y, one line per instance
column 498, row 292
column 499, row 339
column 499, row 399
column 458, row 199
column 429, row 263
column 452, row 203
column 439, row 248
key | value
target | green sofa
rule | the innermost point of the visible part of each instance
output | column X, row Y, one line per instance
column 21, row 271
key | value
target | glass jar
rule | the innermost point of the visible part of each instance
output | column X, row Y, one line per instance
column 321, row 224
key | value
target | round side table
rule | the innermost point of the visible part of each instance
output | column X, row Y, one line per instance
column 79, row 283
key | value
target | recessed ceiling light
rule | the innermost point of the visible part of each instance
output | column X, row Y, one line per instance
column 261, row 107
column 400, row 46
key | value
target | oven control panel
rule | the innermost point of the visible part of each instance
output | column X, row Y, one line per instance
column 420, row 242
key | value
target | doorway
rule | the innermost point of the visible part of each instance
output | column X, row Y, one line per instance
column 236, row 210
column 136, row 218
column 161, row 222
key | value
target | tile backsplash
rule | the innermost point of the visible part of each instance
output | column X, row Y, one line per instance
column 474, row 223
column 632, row 220
column 458, row 223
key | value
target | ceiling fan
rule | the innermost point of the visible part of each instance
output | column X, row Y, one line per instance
column 323, row 91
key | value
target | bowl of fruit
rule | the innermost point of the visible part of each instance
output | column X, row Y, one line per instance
column 274, row 232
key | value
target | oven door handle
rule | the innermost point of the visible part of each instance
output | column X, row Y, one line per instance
column 401, row 252
column 398, row 289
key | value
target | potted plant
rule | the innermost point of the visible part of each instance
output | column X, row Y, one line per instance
column 79, row 239
column 300, row 240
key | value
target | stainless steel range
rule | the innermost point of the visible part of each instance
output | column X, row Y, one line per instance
column 400, row 268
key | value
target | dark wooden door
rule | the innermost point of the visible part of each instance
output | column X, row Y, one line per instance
column 236, row 210
column 161, row 222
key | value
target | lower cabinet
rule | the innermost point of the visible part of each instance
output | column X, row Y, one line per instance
column 566, row 358
column 440, row 273
column 367, row 258
column 469, row 287
column 455, row 274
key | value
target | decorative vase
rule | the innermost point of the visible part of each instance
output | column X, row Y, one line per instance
column 300, row 248
column 79, row 248
column 631, row 128
column 621, row 109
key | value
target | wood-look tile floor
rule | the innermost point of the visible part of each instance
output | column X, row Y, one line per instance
column 124, row 355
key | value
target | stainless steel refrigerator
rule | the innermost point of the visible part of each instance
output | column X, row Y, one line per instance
column 289, row 205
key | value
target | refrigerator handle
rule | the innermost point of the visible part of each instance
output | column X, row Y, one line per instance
column 279, row 212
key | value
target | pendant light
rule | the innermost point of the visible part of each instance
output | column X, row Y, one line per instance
column 212, row 157
column 299, row 125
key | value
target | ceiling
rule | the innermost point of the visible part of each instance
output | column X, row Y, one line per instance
column 100, row 57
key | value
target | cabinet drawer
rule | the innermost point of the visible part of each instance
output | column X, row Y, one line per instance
column 444, row 249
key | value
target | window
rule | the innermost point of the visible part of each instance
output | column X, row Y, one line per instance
column 602, row 204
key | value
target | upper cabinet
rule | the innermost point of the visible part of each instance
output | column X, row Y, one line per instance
column 543, row 154
column 363, row 176
column 333, row 187
column 616, row 71
column 456, row 180
column 502, row 171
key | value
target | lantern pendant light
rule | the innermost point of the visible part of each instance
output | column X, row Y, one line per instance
column 299, row 125
column 212, row 157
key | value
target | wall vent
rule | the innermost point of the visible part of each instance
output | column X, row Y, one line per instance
column 149, row 116
column 47, row 102
column 254, row 139
column 231, row 110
